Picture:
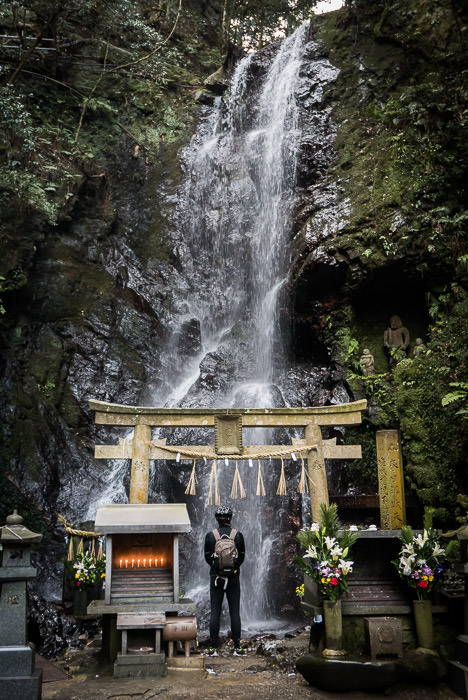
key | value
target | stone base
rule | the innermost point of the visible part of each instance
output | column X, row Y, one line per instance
column 21, row 687
column 16, row 661
column 458, row 678
column 186, row 663
column 140, row 666
column 458, row 670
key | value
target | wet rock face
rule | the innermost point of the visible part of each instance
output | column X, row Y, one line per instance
column 51, row 629
column 91, row 321
column 104, row 299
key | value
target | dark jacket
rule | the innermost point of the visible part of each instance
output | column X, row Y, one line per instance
column 210, row 546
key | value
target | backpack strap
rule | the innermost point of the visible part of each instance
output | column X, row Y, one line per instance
column 233, row 533
column 216, row 535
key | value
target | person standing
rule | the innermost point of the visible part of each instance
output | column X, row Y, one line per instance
column 224, row 552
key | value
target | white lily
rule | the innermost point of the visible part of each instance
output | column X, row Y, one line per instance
column 421, row 540
column 346, row 566
column 315, row 527
column 329, row 542
column 311, row 552
column 438, row 550
column 408, row 549
column 336, row 551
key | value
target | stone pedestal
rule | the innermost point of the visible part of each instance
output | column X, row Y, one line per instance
column 385, row 636
column 458, row 669
column 140, row 665
column 19, row 680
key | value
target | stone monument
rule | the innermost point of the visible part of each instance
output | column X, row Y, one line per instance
column 396, row 340
column 19, row 680
column 367, row 363
column 419, row 347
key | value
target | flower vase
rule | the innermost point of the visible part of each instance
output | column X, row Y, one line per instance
column 424, row 625
column 80, row 602
column 333, row 628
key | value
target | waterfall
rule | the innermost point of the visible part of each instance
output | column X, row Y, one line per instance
column 232, row 227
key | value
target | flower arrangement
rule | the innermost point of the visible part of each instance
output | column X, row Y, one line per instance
column 421, row 560
column 85, row 571
column 326, row 559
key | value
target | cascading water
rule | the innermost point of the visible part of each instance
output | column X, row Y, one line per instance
column 232, row 227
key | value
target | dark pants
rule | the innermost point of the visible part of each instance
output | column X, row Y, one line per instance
column 216, row 599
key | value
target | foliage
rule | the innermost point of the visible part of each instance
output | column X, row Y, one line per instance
column 346, row 348
column 252, row 24
column 326, row 559
column 460, row 395
column 421, row 560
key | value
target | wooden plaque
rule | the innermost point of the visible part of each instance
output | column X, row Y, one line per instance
column 228, row 435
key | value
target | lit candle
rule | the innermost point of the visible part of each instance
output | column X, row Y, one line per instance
column 150, row 560
column 133, row 563
column 121, row 563
column 138, row 563
column 162, row 561
column 126, row 563
column 144, row 563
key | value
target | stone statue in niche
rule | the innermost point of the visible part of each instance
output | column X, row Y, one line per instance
column 396, row 340
column 419, row 347
column 367, row 363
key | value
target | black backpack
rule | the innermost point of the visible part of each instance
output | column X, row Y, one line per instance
column 225, row 552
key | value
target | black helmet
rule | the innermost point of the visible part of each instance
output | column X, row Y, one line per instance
column 223, row 513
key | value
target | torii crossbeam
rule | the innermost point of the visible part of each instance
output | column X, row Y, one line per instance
column 228, row 424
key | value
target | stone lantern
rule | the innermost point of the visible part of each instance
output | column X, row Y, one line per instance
column 19, row 680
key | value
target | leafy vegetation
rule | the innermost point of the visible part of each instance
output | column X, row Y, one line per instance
column 401, row 157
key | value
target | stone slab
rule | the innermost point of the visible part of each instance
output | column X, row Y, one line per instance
column 17, row 573
column 190, row 663
column 385, row 636
column 99, row 607
column 16, row 661
column 21, row 688
column 461, row 646
column 13, row 614
column 149, row 620
column 458, row 678
column 140, row 666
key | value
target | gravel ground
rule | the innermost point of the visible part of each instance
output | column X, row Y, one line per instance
column 267, row 672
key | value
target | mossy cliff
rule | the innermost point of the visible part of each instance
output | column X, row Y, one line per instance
column 384, row 231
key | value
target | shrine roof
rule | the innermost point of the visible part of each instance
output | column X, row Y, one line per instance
column 116, row 518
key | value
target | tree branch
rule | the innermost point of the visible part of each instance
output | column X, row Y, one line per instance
column 154, row 51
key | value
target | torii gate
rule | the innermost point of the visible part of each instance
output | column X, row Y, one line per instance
column 228, row 424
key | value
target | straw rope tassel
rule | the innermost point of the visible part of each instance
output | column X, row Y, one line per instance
column 302, row 486
column 260, row 484
column 213, row 494
column 93, row 549
column 281, row 490
column 191, row 486
column 100, row 553
column 79, row 549
column 71, row 550
column 237, row 490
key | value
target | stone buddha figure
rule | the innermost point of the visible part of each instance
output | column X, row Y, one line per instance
column 419, row 347
column 367, row 363
column 396, row 340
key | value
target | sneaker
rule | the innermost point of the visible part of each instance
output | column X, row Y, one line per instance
column 239, row 651
column 212, row 652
